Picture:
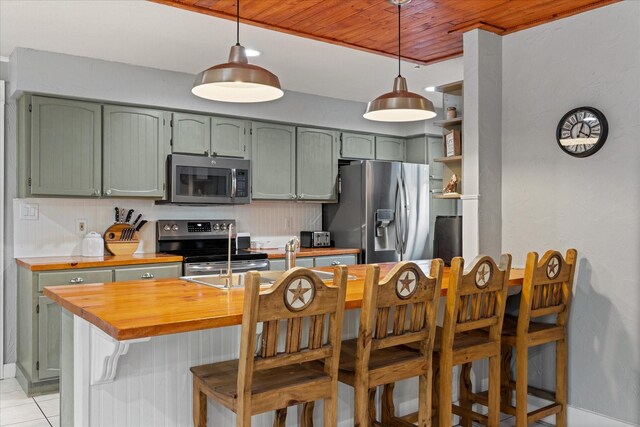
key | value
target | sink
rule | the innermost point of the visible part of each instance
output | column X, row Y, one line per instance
column 267, row 278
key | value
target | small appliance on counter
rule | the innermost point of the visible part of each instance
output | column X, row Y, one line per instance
column 315, row 239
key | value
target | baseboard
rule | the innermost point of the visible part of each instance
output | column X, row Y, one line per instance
column 577, row 417
column 8, row 371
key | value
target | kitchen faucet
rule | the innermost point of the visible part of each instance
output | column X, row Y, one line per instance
column 290, row 252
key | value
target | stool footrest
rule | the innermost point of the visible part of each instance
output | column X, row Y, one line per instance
column 543, row 412
column 468, row 413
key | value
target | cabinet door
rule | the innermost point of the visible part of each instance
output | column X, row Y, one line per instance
column 136, row 144
column 48, row 338
column 317, row 164
column 190, row 133
column 357, row 146
column 273, row 166
column 65, row 147
column 435, row 150
column 389, row 148
column 416, row 150
column 276, row 264
column 228, row 137
column 326, row 261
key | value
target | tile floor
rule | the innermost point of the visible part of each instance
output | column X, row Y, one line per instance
column 18, row 410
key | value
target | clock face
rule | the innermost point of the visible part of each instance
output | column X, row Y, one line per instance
column 582, row 131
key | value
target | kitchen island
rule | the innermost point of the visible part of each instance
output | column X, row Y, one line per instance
column 127, row 348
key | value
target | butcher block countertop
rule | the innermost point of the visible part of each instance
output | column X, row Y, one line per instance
column 71, row 262
column 309, row 252
column 146, row 308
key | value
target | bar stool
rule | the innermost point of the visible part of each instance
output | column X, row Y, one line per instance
column 408, row 301
column 471, row 330
column 274, row 380
column 546, row 290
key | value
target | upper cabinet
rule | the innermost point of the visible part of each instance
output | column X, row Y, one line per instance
column 229, row 137
column 317, row 164
column 218, row 136
column 389, row 148
column 136, row 144
column 273, row 166
column 357, row 146
column 416, row 149
column 191, row 133
column 64, row 138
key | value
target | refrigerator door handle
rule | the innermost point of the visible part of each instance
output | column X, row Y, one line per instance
column 405, row 216
column 398, row 218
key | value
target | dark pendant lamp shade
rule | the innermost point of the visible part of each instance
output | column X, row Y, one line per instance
column 237, row 80
column 399, row 105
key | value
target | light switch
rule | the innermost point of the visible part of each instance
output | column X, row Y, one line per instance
column 29, row 211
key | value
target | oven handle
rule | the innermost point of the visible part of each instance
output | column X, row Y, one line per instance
column 234, row 186
column 261, row 265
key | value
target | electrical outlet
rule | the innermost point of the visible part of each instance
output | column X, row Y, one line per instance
column 287, row 222
column 81, row 226
column 29, row 211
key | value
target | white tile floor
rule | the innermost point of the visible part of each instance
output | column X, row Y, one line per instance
column 18, row 410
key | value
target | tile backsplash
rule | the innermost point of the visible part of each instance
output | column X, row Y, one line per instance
column 54, row 232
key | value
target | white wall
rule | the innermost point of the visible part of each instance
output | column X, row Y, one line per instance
column 552, row 200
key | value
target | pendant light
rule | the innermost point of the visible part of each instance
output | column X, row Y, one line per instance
column 399, row 105
column 237, row 80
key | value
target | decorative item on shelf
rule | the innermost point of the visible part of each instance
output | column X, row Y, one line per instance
column 452, row 143
column 399, row 105
column 452, row 186
column 451, row 113
column 122, row 237
column 237, row 80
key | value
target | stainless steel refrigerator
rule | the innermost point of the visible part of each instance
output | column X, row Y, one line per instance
column 383, row 210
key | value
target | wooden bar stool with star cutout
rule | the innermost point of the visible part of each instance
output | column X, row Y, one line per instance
column 308, row 313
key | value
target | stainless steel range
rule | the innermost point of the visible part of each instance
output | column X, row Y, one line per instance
column 205, row 245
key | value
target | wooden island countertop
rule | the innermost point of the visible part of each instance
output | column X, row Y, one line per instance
column 146, row 308
column 71, row 262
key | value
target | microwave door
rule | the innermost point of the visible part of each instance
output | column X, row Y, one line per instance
column 197, row 184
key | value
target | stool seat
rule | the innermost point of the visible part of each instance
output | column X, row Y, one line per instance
column 380, row 361
column 539, row 333
column 461, row 341
column 220, row 381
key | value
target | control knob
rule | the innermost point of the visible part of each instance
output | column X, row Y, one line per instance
column 167, row 227
column 216, row 227
column 223, row 226
column 174, row 227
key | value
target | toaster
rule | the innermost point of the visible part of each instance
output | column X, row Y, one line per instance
column 315, row 239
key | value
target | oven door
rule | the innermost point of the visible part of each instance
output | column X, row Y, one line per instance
column 207, row 180
column 220, row 267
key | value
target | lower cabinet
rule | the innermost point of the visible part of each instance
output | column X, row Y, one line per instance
column 39, row 317
column 321, row 261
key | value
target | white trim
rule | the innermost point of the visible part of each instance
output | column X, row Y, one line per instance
column 81, row 374
column 105, row 354
column 4, row 59
column 469, row 196
column 9, row 370
column 3, row 374
column 577, row 417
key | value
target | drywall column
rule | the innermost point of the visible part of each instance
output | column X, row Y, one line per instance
column 482, row 133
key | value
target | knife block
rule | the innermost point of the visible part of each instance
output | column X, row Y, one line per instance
column 114, row 244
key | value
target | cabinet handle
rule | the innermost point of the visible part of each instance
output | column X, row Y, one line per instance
column 301, row 196
column 335, row 262
column 292, row 196
column 76, row 280
column 147, row 276
column 108, row 192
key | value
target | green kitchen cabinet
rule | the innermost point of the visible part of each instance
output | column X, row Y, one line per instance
column 48, row 338
column 326, row 261
column 190, row 133
column 317, row 153
column 273, row 166
column 416, row 149
column 135, row 145
column 357, row 146
column 389, row 148
column 229, row 137
column 64, row 139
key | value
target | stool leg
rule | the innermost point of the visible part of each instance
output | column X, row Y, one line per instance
column 372, row 406
column 445, row 387
column 424, row 400
column 522, row 356
column 561, row 382
column 464, row 385
column 361, row 413
column 199, row 405
column 505, row 367
column 494, row 391
column 435, row 392
column 306, row 417
column 388, row 407
column 330, row 411
column 281, row 418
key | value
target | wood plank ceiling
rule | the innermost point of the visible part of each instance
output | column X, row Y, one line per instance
column 431, row 29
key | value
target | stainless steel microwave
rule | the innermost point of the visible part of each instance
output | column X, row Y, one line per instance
column 202, row 180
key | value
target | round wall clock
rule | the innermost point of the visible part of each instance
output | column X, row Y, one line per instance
column 582, row 131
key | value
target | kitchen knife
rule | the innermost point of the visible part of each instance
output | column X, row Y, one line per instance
column 142, row 223
column 136, row 220
column 122, row 211
column 117, row 215
column 129, row 215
